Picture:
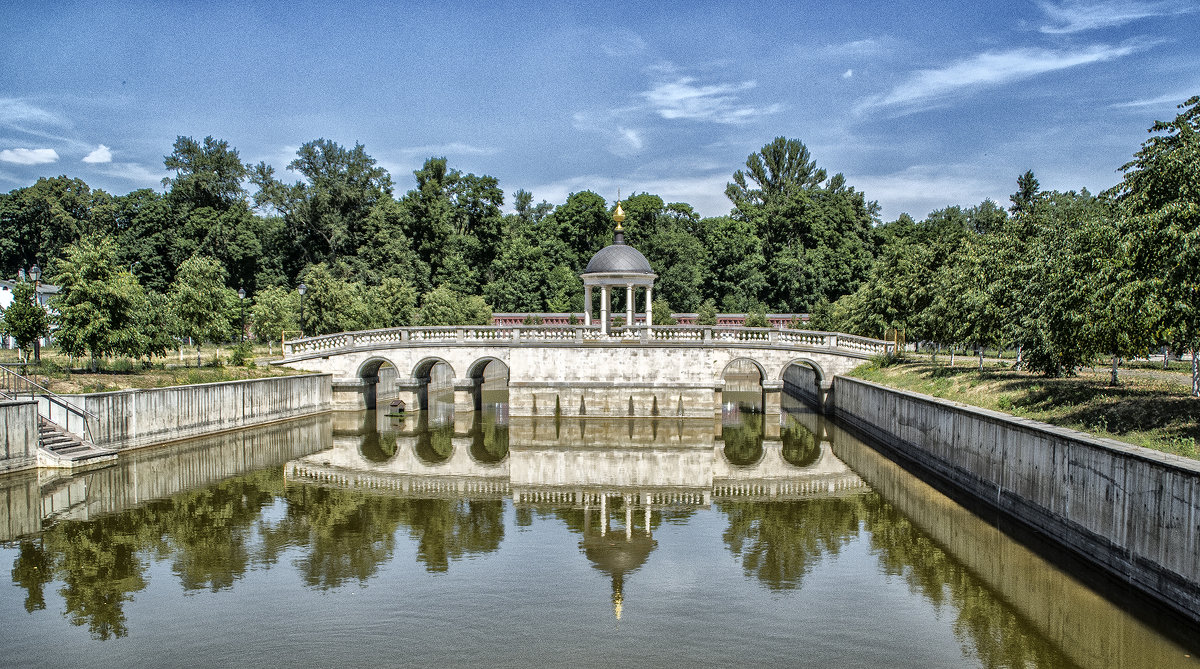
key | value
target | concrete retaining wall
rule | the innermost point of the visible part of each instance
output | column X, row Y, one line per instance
column 133, row 418
column 1133, row 512
column 18, row 435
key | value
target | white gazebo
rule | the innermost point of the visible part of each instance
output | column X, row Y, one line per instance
column 614, row 266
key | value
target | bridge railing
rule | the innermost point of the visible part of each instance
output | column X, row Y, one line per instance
column 545, row 334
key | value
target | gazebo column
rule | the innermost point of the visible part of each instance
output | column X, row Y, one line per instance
column 604, row 309
column 629, row 305
column 587, row 305
column 649, row 304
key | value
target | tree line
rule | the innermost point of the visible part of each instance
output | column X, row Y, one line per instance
column 1062, row 277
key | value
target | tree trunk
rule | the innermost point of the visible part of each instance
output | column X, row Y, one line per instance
column 198, row 363
column 1017, row 364
column 937, row 349
column 952, row 356
column 981, row 358
column 1115, row 381
column 1165, row 352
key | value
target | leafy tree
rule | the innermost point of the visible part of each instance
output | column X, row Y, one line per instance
column 201, row 302
column 661, row 309
column 207, row 174
column 148, row 241
column 24, row 320
column 1158, row 203
column 391, row 304
column 332, row 304
column 275, row 310
column 443, row 306
column 101, row 309
column 736, row 269
column 41, row 220
column 707, row 315
column 1028, row 192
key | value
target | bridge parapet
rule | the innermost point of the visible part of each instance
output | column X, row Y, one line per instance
column 539, row 334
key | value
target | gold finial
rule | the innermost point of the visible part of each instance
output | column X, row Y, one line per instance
column 619, row 214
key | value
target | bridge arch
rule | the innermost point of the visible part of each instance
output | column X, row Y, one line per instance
column 743, row 379
column 807, row 380
column 437, row 374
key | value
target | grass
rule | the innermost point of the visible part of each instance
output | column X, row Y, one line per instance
column 1155, row 412
column 62, row 375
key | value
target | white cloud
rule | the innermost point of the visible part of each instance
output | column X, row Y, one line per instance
column 990, row 69
column 864, row 47
column 29, row 156
column 1162, row 100
column 135, row 172
column 681, row 99
column 451, row 149
column 14, row 111
column 1079, row 15
column 705, row 192
column 847, row 74
column 102, row 154
column 622, row 43
column 920, row 189
column 628, row 142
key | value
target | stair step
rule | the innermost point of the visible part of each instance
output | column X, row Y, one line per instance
column 74, row 450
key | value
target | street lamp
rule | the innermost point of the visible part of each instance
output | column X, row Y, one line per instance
column 35, row 273
column 242, row 297
column 302, row 289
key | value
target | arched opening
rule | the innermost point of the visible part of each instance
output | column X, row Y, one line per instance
column 743, row 439
column 743, row 392
column 435, row 390
column 490, row 385
column 379, row 381
column 803, row 383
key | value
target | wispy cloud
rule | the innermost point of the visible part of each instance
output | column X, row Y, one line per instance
column 135, row 172
column 17, row 112
column 1081, row 15
column 871, row 46
column 1160, row 101
column 622, row 43
column 29, row 156
column 682, row 99
column 920, row 189
column 450, row 149
column 102, row 154
column 704, row 191
column 992, row 68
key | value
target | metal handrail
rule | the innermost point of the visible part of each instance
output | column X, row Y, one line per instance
column 11, row 381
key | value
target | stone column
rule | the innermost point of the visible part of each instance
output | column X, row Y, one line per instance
column 649, row 306
column 587, row 305
column 629, row 305
column 604, row 309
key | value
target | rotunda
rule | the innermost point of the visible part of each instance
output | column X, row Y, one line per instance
column 614, row 266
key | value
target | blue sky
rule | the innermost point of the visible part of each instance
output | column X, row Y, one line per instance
column 920, row 104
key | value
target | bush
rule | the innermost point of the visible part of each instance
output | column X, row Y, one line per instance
column 532, row 319
column 707, row 314
column 242, row 354
column 757, row 318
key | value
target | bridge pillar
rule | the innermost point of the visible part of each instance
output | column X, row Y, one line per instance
column 772, row 398
column 464, row 395
column 354, row 394
column 409, row 391
column 718, row 398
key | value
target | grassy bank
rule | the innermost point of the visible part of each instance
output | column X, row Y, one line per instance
column 62, row 375
column 1151, row 410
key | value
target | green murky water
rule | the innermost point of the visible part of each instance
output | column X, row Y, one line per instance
column 355, row 539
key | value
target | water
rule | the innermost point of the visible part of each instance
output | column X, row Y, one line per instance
column 354, row 539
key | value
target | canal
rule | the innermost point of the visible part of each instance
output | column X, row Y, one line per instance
column 483, row 540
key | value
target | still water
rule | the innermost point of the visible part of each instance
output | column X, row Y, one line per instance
column 480, row 540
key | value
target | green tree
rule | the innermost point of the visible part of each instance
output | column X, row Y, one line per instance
column 101, row 309
column 1158, row 203
column 24, row 319
column 333, row 303
column 443, row 306
column 707, row 314
column 207, row 174
column 275, row 311
column 201, row 302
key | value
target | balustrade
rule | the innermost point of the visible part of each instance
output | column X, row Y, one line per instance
column 684, row 334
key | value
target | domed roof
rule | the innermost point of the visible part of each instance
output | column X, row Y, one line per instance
column 618, row 257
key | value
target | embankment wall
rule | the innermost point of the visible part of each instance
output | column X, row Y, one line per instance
column 133, row 418
column 18, row 435
column 1133, row 512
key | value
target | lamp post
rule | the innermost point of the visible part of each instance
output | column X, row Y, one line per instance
column 242, row 297
column 302, row 289
column 35, row 273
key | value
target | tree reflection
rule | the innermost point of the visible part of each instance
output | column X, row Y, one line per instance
column 452, row 529
column 32, row 570
column 434, row 441
column 743, row 437
column 489, row 437
column 779, row 542
column 800, row 445
column 986, row 626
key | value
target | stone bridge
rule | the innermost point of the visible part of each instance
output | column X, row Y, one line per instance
column 580, row 370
